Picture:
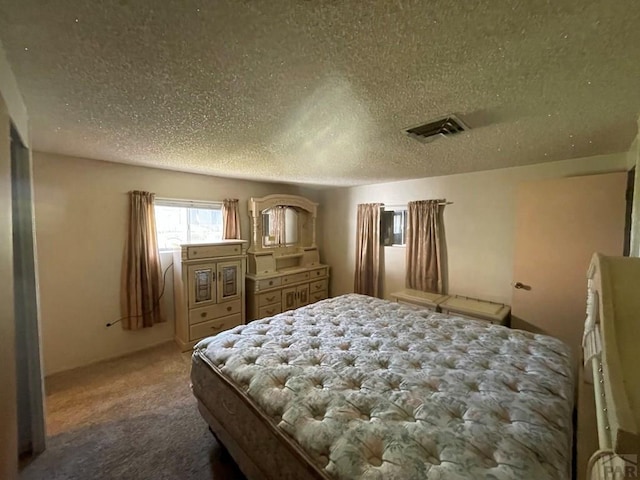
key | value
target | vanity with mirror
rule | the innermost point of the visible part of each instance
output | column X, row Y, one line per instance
column 284, row 269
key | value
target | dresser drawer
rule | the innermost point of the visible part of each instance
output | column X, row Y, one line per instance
column 295, row 278
column 269, row 310
column 197, row 315
column 208, row 251
column 319, row 285
column 212, row 327
column 268, row 283
column 318, row 272
column 269, row 298
column 317, row 296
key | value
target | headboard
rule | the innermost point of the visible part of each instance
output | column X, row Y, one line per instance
column 611, row 350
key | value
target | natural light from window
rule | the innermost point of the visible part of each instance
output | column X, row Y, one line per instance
column 180, row 222
column 394, row 227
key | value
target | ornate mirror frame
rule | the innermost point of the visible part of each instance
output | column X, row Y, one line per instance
column 259, row 205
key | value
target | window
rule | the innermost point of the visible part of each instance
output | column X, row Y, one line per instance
column 184, row 221
column 394, row 226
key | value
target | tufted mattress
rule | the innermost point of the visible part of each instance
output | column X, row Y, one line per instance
column 360, row 388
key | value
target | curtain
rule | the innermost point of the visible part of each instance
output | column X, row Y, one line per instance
column 367, row 274
column 424, row 269
column 141, row 273
column 278, row 224
column 230, row 219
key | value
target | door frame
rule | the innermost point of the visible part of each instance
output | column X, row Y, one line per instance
column 628, row 222
column 30, row 379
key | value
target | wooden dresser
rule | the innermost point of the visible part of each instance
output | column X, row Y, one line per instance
column 284, row 269
column 287, row 289
column 208, row 285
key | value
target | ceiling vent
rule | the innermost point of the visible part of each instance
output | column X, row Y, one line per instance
column 430, row 131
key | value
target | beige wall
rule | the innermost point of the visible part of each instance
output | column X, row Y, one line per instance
column 479, row 226
column 81, row 217
column 12, row 98
column 8, row 414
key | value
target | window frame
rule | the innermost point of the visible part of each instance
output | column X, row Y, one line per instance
column 395, row 209
column 185, row 203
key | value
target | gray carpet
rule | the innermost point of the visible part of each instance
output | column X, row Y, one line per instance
column 129, row 418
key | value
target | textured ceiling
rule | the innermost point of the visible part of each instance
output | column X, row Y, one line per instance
column 318, row 92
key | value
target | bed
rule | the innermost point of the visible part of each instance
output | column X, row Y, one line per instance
column 355, row 387
column 610, row 354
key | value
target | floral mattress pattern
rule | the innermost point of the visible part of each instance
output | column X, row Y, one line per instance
column 373, row 389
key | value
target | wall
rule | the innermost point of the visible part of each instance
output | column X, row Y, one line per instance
column 8, row 412
column 81, row 217
column 12, row 99
column 479, row 225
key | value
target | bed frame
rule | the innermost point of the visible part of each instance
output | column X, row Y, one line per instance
column 611, row 353
column 243, row 430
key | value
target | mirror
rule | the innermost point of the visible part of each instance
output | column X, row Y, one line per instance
column 279, row 226
column 282, row 224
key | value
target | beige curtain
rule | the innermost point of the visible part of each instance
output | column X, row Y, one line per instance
column 141, row 274
column 230, row 219
column 278, row 224
column 367, row 274
column 424, row 270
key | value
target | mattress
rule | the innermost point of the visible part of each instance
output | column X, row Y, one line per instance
column 355, row 387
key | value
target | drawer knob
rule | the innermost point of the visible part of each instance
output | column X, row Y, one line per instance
column 270, row 282
column 203, row 314
column 216, row 328
column 270, row 299
column 269, row 312
column 195, row 252
column 318, row 287
column 229, row 309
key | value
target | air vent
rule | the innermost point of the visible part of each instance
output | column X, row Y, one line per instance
column 445, row 127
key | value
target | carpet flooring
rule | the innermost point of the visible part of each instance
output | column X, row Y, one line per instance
column 129, row 418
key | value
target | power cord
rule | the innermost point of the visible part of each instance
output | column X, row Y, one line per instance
column 155, row 304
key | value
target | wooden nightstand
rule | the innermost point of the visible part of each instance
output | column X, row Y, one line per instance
column 428, row 300
column 497, row 313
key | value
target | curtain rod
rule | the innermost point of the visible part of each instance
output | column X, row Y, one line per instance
column 402, row 206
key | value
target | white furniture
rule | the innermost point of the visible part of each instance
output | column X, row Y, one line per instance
column 611, row 357
column 496, row 313
column 284, row 269
column 427, row 300
column 208, row 285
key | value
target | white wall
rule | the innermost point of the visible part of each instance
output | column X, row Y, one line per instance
column 81, row 218
column 479, row 225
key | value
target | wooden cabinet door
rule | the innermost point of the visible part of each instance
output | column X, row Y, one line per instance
column 229, row 287
column 201, row 282
column 289, row 300
column 302, row 294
